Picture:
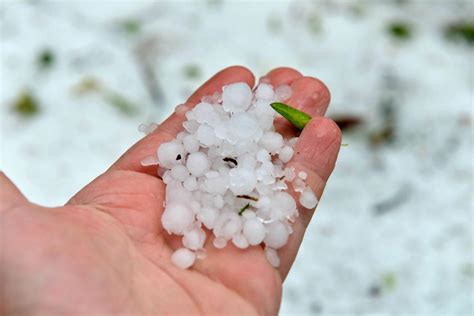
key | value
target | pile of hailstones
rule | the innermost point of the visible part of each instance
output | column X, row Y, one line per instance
column 226, row 172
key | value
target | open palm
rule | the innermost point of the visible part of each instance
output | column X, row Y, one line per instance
column 105, row 251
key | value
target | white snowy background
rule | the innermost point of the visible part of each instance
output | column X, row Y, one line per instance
column 393, row 234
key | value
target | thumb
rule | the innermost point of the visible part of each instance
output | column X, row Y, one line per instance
column 10, row 196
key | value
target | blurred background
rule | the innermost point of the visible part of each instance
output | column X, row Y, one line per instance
column 394, row 232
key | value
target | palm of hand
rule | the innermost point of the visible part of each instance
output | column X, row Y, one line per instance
column 82, row 243
column 105, row 251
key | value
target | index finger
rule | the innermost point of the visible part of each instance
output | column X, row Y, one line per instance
column 148, row 145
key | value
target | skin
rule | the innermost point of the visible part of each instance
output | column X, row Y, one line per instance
column 105, row 251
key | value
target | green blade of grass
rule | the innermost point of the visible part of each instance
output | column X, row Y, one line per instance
column 26, row 105
column 121, row 103
column 242, row 210
column 297, row 118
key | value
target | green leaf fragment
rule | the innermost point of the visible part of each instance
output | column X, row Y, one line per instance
column 274, row 24
column 460, row 31
column 122, row 104
column 242, row 210
column 87, row 85
column 389, row 281
column 46, row 59
column 468, row 270
column 192, row 71
column 131, row 26
column 400, row 30
column 296, row 117
column 313, row 23
column 26, row 105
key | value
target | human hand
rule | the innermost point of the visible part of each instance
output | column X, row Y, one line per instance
column 105, row 251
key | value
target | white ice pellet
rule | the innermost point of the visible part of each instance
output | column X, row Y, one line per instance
column 212, row 174
column 282, row 205
column 197, row 163
column 292, row 141
column 208, row 216
column 241, row 181
column 236, row 97
column 283, row 92
column 265, row 114
column 194, row 239
column 285, row 154
column 167, row 178
column 248, row 214
column 205, row 113
column 277, row 235
column 299, row 185
column 177, row 217
column 220, row 222
column 240, row 241
column 218, row 201
column 302, row 175
column 254, row 231
column 263, row 155
column 308, row 199
column 272, row 257
column 169, row 154
column 147, row 128
column 263, row 202
column 183, row 258
column 264, row 91
column 242, row 127
column 201, row 254
column 179, row 172
column 272, row 142
column 279, row 185
column 195, row 206
column 142, row 128
column 190, row 184
column 247, row 161
column 190, row 143
column 231, row 227
column 191, row 126
column 289, row 173
column 219, row 242
column 180, row 136
column 176, row 192
column 206, row 135
column 161, row 171
column 216, row 185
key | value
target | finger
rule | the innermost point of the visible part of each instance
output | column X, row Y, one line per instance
column 170, row 127
column 281, row 76
column 309, row 95
column 315, row 154
column 10, row 196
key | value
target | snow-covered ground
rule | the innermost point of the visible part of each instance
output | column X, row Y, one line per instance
column 394, row 231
